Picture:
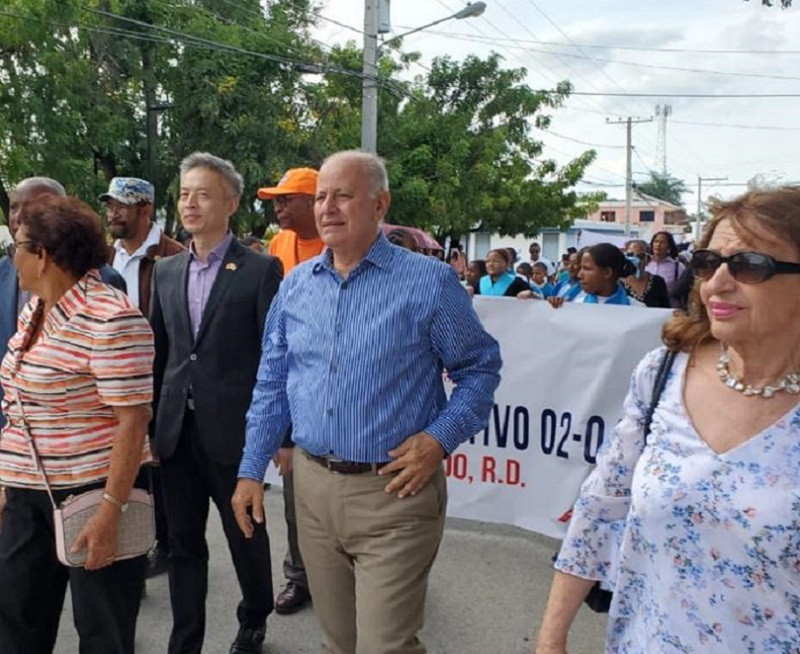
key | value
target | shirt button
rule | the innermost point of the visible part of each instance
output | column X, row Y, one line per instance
column 193, row 357
column 343, row 285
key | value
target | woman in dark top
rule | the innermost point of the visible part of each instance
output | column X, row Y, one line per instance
column 499, row 281
column 651, row 290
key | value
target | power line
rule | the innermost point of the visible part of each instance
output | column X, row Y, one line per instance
column 536, row 41
column 776, row 128
column 574, row 140
column 686, row 95
column 634, row 64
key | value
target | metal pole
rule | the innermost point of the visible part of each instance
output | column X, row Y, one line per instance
column 369, row 87
column 628, row 180
column 628, row 164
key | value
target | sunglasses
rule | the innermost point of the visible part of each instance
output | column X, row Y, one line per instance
column 745, row 267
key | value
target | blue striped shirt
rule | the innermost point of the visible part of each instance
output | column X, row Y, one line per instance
column 355, row 365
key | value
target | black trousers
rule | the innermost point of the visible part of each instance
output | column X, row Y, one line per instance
column 293, row 567
column 33, row 584
column 190, row 479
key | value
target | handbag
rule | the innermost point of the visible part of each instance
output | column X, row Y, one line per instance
column 599, row 599
column 136, row 534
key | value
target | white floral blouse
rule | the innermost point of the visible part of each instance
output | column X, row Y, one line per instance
column 702, row 549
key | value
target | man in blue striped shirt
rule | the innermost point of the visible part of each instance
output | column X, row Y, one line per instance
column 353, row 354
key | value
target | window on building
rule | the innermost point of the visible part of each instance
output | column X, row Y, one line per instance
column 647, row 216
column 608, row 216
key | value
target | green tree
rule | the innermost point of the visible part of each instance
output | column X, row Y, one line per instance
column 664, row 187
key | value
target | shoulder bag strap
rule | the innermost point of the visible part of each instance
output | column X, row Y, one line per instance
column 32, row 445
column 658, row 389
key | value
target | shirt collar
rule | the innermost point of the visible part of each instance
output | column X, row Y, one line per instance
column 153, row 238
column 380, row 255
column 219, row 249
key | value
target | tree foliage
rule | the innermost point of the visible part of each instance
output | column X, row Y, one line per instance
column 82, row 80
column 664, row 187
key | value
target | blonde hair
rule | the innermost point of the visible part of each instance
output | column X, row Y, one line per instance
column 776, row 211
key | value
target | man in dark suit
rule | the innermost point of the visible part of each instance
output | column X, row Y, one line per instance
column 208, row 308
column 12, row 300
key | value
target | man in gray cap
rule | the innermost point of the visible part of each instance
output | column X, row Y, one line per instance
column 139, row 241
column 139, row 244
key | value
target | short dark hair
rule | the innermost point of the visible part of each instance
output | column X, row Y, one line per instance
column 68, row 230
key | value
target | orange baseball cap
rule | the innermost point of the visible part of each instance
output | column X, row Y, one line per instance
column 295, row 180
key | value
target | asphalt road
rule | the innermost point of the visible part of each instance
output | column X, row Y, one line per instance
column 487, row 593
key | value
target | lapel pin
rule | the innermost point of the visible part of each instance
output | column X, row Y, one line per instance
column 230, row 266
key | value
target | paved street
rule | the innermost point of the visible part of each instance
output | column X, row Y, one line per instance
column 487, row 592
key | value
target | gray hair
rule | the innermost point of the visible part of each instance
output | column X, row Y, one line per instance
column 221, row 166
column 639, row 242
column 45, row 183
column 373, row 167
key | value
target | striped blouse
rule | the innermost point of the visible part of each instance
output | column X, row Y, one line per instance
column 95, row 352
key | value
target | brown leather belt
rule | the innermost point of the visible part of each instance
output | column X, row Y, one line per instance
column 345, row 467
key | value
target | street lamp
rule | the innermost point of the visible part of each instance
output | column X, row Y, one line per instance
column 369, row 85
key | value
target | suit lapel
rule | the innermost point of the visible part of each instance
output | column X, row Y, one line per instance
column 182, row 263
column 234, row 259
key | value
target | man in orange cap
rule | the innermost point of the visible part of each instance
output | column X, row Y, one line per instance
column 298, row 240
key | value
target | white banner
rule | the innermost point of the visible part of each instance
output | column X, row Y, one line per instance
column 565, row 375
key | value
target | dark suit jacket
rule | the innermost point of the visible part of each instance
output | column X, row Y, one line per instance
column 9, row 296
column 219, row 367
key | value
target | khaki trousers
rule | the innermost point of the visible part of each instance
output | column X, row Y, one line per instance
column 367, row 555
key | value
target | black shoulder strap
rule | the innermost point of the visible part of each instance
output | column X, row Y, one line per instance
column 658, row 389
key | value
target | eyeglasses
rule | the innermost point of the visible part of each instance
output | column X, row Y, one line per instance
column 19, row 244
column 283, row 200
column 745, row 267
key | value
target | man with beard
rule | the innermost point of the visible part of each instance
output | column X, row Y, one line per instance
column 139, row 244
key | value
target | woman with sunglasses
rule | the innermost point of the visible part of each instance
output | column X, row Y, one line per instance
column 650, row 290
column 695, row 525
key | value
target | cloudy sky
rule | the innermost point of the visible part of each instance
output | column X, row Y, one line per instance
column 634, row 46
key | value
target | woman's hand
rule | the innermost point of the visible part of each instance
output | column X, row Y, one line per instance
column 556, row 302
column 99, row 537
column 527, row 295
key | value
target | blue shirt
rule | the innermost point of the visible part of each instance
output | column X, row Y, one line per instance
column 355, row 365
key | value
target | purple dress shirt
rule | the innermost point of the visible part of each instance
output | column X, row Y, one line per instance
column 201, row 279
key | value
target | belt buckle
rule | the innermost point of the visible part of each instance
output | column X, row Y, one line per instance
column 328, row 464
column 190, row 403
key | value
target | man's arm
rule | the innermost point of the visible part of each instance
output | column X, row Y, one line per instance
column 267, row 420
column 472, row 359
column 160, row 342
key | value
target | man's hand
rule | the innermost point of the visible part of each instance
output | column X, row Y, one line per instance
column 249, row 494
column 283, row 460
column 417, row 458
column 99, row 537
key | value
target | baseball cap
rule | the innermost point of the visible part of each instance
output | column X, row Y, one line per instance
column 129, row 190
column 295, row 180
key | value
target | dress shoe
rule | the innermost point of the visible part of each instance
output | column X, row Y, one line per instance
column 291, row 599
column 248, row 640
column 156, row 563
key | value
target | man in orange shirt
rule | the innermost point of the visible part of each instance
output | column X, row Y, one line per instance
column 298, row 241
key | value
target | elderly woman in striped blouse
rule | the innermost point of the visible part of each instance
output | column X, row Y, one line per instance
column 77, row 378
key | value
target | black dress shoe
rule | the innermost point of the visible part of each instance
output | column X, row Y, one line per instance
column 291, row 599
column 248, row 641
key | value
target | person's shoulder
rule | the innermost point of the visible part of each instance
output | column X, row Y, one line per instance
column 6, row 263
column 168, row 247
column 258, row 260
column 105, row 302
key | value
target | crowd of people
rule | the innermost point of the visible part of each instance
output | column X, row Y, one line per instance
column 188, row 370
column 640, row 274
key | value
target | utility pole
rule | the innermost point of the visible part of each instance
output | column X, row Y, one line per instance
column 369, row 82
column 629, row 122
column 700, row 181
